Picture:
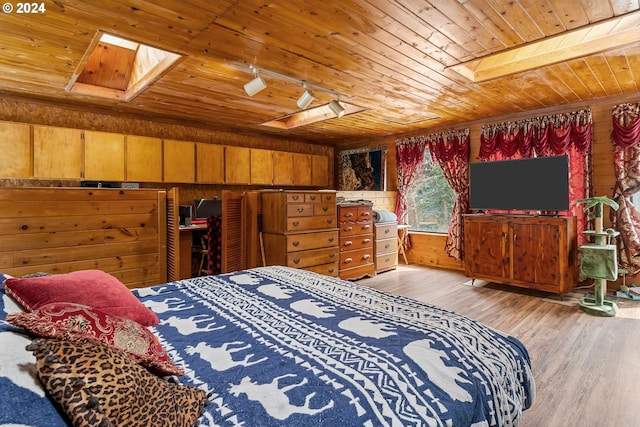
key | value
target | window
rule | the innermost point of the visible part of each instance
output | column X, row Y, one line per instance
column 430, row 199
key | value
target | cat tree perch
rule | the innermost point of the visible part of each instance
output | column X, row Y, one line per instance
column 598, row 259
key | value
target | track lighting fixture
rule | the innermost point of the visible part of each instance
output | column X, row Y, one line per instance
column 337, row 109
column 255, row 85
column 305, row 99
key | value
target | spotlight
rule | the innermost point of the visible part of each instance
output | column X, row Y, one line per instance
column 305, row 99
column 337, row 109
column 255, row 85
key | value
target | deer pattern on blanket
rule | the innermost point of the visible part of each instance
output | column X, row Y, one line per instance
column 292, row 348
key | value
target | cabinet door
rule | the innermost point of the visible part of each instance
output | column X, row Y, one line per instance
column 180, row 161
column 261, row 166
column 57, row 153
column 535, row 253
column 302, row 169
column 320, row 171
column 144, row 159
column 103, row 156
column 15, row 146
column 486, row 253
column 283, row 168
column 209, row 163
column 237, row 165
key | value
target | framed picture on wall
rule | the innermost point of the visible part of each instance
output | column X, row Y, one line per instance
column 363, row 169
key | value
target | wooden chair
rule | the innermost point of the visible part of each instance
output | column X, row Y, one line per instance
column 203, row 250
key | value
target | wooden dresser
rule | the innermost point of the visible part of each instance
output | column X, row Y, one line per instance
column 356, row 241
column 299, row 229
column 386, row 246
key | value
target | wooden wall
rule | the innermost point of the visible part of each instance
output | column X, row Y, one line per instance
column 59, row 230
column 428, row 248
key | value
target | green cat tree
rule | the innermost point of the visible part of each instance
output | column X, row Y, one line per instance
column 598, row 259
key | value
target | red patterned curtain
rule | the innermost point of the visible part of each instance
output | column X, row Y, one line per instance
column 626, row 143
column 451, row 151
column 409, row 161
column 559, row 134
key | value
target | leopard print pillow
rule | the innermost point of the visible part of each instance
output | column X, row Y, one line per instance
column 96, row 385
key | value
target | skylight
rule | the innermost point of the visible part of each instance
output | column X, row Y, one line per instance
column 118, row 68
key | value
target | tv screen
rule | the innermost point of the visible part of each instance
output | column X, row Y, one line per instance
column 532, row 184
column 204, row 208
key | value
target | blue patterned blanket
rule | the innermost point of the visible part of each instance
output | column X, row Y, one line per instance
column 285, row 347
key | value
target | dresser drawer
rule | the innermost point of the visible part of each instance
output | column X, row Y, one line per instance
column 313, row 257
column 295, row 197
column 355, row 242
column 388, row 230
column 311, row 223
column 324, row 209
column 386, row 261
column 386, row 245
column 365, row 214
column 299, row 209
column 358, row 272
column 355, row 228
column 357, row 257
column 306, row 241
column 326, row 269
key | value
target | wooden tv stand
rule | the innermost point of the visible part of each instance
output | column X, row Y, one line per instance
column 538, row 252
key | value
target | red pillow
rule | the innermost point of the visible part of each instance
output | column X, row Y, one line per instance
column 93, row 288
column 79, row 323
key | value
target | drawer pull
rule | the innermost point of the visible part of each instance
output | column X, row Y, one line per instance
column 348, row 243
column 332, row 255
column 366, row 213
column 348, row 261
column 296, row 261
column 330, row 239
column 331, row 270
column 329, row 221
column 366, row 240
column 348, row 228
column 387, row 231
column 386, row 246
column 367, row 256
column 328, row 198
column 348, row 215
column 312, row 197
column 366, row 227
column 296, row 223
column 387, row 260
column 326, row 208
column 300, row 210
column 296, row 243
column 294, row 197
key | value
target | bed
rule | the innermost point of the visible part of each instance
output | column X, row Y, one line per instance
column 278, row 346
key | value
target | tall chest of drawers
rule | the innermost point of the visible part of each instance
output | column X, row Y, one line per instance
column 356, row 241
column 299, row 229
column 386, row 246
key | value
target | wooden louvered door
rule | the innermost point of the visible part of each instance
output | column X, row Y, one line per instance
column 173, row 235
column 233, row 232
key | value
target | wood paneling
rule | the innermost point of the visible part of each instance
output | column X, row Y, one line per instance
column 58, row 230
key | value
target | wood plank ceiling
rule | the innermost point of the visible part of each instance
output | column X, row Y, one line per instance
column 392, row 58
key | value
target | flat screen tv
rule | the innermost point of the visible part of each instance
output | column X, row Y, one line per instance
column 532, row 184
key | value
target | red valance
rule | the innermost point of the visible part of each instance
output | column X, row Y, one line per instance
column 626, row 125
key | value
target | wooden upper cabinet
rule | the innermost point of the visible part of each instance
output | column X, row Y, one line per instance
column 144, row 159
column 261, row 166
column 104, row 156
column 58, row 153
column 209, row 163
column 237, row 165
column 180, row 161
column 282, row 168
column 15, row 146
column 301, row 169
column 320, row 171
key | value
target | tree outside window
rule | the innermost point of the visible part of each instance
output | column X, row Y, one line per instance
column 430, row 199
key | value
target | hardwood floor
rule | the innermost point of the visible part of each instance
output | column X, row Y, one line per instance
column 586, row 368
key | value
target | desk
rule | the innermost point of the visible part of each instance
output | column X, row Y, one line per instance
column 402, row 238
column 184, row 248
